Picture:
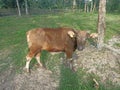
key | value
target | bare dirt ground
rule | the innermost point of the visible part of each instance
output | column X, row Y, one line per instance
column 104, row 63
column 39, row 79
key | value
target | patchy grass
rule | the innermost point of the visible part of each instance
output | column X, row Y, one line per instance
column 117, row 45
column 13, row 40
column 112, row 26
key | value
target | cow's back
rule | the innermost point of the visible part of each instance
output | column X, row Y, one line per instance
column 35, row 37
column 49, row 39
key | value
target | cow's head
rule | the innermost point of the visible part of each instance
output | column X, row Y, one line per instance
column 81, row 37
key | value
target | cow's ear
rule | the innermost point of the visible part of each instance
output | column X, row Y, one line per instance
column 71, row 34
column 94, row 35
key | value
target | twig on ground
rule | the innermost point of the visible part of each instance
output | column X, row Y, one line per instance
column 96, row 85
column 112, row 49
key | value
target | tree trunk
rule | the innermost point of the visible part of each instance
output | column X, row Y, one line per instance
column 85, row 7
column 101, row 23
column 26, row 7
column 18, row 6
column 91, row 6
column 80, row 8
column 74, row 4
column 94, row 6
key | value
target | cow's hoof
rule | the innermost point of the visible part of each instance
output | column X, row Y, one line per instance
column 74, row 69
column 50, row 72
column 38, row 65
column 26, row 70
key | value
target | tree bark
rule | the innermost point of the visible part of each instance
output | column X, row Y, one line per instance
column 18, row 7
column 74, row 4
column 101, row 23
column 94, row 6
column 85, row 7
column 26, row 7
column 91, row 6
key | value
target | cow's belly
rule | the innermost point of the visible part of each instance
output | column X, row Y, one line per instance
column 53, row 53
column 53, row 48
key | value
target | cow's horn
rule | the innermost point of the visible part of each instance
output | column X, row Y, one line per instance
column 71, row 34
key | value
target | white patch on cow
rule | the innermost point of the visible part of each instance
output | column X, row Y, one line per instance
column 71, row 34
column 27, row 63
column 28, row 40
column 28, row 58
column 93, row 35
column 53, row 53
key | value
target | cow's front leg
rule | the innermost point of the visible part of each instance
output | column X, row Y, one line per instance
column 69, row 63
column 69, row 60
column 72, row 64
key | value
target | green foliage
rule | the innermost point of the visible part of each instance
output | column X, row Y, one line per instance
column 112, row 5
column 50, row 4
column 10, row 3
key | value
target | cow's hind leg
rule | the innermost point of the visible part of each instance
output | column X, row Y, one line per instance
column 38, row 59
column 29, row 57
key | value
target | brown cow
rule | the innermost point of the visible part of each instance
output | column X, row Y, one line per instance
column 54, row 40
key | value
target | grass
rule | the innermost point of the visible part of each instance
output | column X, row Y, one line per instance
column 112, row 26
column 117, row 44
column 13, row 40
column 74, row 81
